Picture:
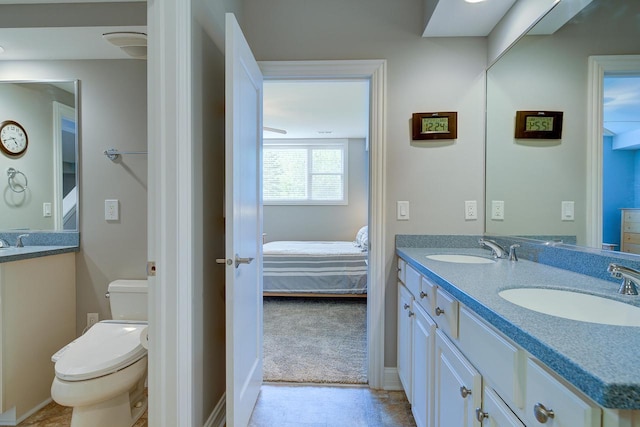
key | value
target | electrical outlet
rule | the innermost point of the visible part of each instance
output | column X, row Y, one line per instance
column 92, row 319
column 111, row 210
column 470, row 209
column 497, row 209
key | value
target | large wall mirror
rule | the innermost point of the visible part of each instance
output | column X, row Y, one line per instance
column 533, row 177
column 40, row 185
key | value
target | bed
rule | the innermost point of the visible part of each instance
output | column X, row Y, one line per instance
column 314, row 268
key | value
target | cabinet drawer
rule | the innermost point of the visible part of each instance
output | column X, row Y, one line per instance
column 446, row 313
column 412, row 281
column 631, row 248
column 631, row 238
column 497, row 412
column 497, row 359
column 631, row 227
column 569, row 409
column 401, row 269
column 631, row 215
column 427, row 295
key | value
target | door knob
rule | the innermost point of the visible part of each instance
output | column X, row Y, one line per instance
column 224, row 261
column 240, row 260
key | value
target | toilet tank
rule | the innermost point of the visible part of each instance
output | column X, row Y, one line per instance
column 128, row 299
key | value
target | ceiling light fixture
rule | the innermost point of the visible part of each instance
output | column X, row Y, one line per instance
column 474, row 1
column 132, row 43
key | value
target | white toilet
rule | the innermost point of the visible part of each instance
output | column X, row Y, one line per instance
column 102, row 373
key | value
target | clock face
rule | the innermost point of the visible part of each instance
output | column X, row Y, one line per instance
column 539, row 123
column 435, row 125
column 13, row 138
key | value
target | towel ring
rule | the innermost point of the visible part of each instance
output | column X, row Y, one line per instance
column 16, row 187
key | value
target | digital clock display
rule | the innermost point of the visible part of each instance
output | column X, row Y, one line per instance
column 539, row 124
column 435, row 125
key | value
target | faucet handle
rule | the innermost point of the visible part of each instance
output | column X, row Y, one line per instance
column 19, row 243
column 512, row 252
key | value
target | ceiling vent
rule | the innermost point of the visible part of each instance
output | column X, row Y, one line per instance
column 132, row 43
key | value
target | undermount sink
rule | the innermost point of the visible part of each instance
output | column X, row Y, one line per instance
column 574, row 306
column 460, row 259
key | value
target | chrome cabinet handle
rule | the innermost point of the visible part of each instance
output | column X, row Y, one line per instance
column 423, row 294
column 406, row 306
column 439, row 311
column 542, row 414
column 480, row 415
column 464, row 392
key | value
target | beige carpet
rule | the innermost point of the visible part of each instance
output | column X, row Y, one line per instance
column 316, row 340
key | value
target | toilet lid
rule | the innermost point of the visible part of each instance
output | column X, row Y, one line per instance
column 106, row 348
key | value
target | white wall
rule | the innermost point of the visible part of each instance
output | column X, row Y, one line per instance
column 325, row 222
column 423, row 75
column 113, row 113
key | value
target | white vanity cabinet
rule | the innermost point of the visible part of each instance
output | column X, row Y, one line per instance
column 464, row 373
column 37, row 318
column 458, row 386
column 423, row 342
column 405, row 333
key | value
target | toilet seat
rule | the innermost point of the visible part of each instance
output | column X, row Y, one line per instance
column 107, row 347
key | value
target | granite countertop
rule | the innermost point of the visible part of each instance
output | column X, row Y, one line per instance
column 601, row 360
column 15, row 254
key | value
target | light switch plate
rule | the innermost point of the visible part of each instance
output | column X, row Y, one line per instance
column 111, row 210
column 568, row 211
column 402, row 211
column 46, row 209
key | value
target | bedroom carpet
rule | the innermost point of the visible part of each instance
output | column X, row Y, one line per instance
column 315, row 340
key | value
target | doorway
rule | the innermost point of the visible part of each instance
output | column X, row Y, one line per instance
column 374, row 72
column 315, row 217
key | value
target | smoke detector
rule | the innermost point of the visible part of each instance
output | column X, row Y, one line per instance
column 132, row 43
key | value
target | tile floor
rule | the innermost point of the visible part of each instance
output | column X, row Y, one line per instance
column 294, row 406
column 54, row 415
column 330, row 406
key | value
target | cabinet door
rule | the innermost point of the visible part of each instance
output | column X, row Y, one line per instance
column 405, row 324
column 424, row 330
column 458, row 386
column 496, row 413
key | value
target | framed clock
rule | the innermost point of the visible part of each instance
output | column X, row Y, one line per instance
column 13, row 138
column 434, row 125
column 539, row 124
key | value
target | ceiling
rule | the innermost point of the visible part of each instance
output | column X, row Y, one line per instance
column 459, row 18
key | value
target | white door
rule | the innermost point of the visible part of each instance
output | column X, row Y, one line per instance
column 243, row 226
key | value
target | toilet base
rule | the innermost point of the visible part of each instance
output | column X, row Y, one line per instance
column 121, row 411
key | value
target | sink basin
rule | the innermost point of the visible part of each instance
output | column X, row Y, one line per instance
column 574, row 306
column 461, row 259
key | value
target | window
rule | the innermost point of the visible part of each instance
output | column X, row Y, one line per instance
column 305, row 172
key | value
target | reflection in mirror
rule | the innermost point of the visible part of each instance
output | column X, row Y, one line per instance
column 42, row 192
column 533, row 177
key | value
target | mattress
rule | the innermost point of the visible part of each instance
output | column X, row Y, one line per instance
column 314, row 267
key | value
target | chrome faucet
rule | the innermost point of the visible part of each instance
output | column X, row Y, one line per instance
column 512, row 252
column 497, row 250
column 19, row 243
column 630, row 278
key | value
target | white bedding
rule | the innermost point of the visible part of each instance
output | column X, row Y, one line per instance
column 311, row 248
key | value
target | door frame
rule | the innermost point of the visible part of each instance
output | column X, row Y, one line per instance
column 599, row 66
column 375, row 72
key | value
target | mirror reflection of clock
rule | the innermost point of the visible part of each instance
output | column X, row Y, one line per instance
column 13, row 138
column 435, row 125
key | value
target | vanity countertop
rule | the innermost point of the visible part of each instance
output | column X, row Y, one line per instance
column 601, row 360
column 15, row 254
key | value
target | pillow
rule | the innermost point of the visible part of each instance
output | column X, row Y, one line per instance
column 362, row 238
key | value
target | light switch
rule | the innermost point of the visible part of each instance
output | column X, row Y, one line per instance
column 402, row 210
column 568, row 211
column 46, row 209
column 111, row 210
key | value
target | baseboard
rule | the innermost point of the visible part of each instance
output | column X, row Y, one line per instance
column 218, row 417
column 391, row 379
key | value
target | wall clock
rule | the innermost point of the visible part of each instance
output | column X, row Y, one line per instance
column 434, row 125
column 13, row 138
column 539, row 124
